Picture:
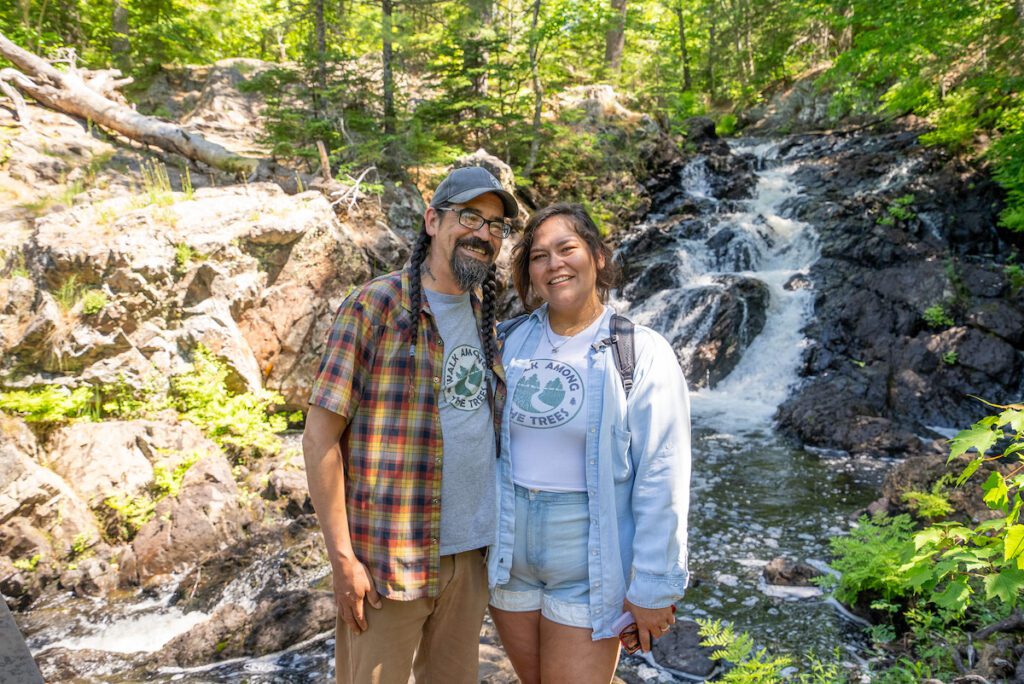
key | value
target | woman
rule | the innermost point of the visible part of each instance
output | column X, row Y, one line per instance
column 593, row 485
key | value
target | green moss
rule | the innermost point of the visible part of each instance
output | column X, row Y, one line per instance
column 50, row 404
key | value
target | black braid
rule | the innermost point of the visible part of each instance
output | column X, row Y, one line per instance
column 489, row 307
column 419, row 253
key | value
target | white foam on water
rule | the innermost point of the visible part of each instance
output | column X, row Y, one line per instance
column 146, row 630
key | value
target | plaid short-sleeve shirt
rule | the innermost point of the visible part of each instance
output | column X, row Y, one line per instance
column 392, row 445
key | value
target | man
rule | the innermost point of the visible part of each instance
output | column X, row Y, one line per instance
column 399, row 446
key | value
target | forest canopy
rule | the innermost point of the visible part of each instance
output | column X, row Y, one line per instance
column 422, row 81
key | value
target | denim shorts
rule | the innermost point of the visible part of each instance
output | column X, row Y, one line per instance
column 549, row 559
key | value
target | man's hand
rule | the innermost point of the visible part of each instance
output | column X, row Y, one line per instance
column 352, row 584
column 651, row 623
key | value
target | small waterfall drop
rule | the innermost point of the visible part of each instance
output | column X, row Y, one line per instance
column 750, row 256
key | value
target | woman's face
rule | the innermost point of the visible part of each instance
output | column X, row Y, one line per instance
column 563, row 272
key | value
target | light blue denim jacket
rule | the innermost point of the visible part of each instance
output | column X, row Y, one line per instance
column 637, row 471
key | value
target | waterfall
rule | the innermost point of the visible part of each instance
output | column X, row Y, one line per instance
column 743, row 248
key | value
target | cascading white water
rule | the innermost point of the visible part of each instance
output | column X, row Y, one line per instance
column 764, row 244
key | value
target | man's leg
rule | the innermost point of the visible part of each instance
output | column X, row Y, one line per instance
column 450, row 650
column 382, row 654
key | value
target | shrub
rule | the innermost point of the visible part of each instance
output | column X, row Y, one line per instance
column 870, row 559
column 50, row 404
column 93, row 301
column 936, row 316
column 240, row 421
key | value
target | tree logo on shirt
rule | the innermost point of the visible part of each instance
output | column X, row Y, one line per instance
column 464, row 378
column 549, row 394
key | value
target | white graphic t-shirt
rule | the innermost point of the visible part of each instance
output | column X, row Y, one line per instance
column 548, row 418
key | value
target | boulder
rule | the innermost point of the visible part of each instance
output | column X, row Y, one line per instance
column 277, row 622
column 290, row 486
column 39, row 512
column 789, row 573
column 207, row 516
column 680, row 650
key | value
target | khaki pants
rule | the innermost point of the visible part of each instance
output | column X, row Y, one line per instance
column 437, row 639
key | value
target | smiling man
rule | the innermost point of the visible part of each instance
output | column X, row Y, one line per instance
column 399, row 446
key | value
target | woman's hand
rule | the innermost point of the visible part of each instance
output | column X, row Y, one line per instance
column 651, row 623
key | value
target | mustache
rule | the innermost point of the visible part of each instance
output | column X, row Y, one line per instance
column 474, row 241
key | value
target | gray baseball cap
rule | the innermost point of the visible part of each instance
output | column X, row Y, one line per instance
column 465, row 183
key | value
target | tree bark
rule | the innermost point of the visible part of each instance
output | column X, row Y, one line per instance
column 481, row 13
column 712, row 45
column 1019, row 6
column 120, row 45
column 68, row 93
column 538, row 91
column 615, row 37
column 387, row 7
column 684, row 55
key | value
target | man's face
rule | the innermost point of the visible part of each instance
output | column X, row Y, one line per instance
column 466, row 254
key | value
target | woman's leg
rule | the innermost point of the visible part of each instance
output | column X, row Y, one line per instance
column 520, row 635
column 568, row 654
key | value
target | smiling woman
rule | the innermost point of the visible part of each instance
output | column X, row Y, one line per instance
column 594, row 478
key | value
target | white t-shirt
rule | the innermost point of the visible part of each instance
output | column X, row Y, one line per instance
column 548, row 430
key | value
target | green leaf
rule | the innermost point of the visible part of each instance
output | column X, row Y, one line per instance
column 1014, row 542
column 1014, row 418
column 918, row 576
column 996, row 494
column 980, row 437
column 969, row 470
column 929, row 535
column 955, row 596
column 994, row 524
column 1007, row 585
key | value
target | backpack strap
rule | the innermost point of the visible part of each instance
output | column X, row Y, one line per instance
column 505, row 328
column 623, row 349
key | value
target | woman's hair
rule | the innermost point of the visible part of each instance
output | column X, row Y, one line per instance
column 577, row 217
column 488, row 307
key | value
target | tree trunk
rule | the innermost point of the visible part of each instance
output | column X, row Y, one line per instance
column 684, row 56
column 387, row 7
column 615, row 37
column 710, row 71
column 538, row 91
column 320, row 65
column 481, row 13
column 68, row 93
column 120, row 47
column 1019, row 6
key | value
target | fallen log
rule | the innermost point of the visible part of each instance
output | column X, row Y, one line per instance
column 66, row 91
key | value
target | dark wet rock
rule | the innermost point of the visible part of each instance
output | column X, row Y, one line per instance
column 680, row 650
column 699, row 129
column 291, row 486
column 76, row 665
column 274, row 624
column 919, row 473
column 790, row 573
column 876, row 375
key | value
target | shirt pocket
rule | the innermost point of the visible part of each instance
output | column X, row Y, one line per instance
column 622, row 464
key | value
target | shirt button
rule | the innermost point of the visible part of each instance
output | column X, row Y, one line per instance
column 437, row 381
column 594, row 552
column 440, row 341
column 593, row 461
column 435, row 500
column 593, row 429
column 433, row 540
column 437, row 460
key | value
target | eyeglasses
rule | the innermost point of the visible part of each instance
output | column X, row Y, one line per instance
column 472, row 220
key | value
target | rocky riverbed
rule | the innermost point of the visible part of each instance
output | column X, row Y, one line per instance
column 834, row 247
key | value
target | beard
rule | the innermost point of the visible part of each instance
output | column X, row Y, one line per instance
column 470, row 272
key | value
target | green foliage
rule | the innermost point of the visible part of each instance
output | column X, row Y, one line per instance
column 49, row 404
column 167, row 482
column 128, row 515
column 936, row 316
column 80, row 544
column 183, row 256
column 898, row 210
column 93, row 301
column 950, row 358
column 240, row 421
column 750, row 666
column 726, row 125
column 931, row 505
column 870, row 557
column 68, row 294
column 156, row 185
column 1015, row 275
column 27, row 564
